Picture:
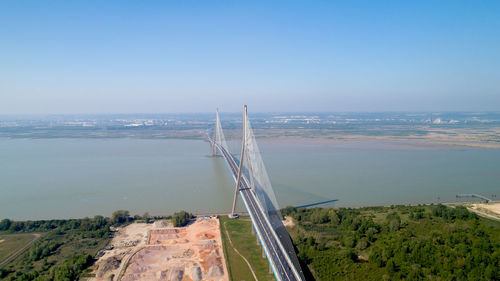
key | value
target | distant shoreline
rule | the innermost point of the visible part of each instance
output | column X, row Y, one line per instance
column 411, row 141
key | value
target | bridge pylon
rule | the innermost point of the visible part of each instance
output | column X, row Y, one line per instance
column 217, row 125
column 254, row 187
column 240, row 168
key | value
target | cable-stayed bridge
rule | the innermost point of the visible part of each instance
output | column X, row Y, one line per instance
column 254, row 187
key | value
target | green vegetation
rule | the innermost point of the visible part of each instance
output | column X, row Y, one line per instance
column 120, row 216
column 397, row 243
column 65, row 250
column 181, row 218
column 240, row 231
column 12, row 243
column 5, row 224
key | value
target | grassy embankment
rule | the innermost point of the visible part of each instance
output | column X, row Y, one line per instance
column 240, row 231
column 11, row 243
column 397, row 243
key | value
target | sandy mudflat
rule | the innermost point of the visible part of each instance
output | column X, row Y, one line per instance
column 156, row 252
column 468, row 137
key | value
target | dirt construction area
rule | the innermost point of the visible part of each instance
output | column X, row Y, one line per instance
column 141, row 252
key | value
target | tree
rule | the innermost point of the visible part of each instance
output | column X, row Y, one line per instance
column 147, row 217
column 288, row 210
column 181, row 218
column 120, row 216
column 5, row 224
column 394, row 221
column 3, row 272
column 332, row 216
column 376, row 257
column 352, row 255
column 390, row 266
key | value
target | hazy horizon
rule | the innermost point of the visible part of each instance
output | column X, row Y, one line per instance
column 232, row 111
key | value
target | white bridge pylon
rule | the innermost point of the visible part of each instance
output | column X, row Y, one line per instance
column 218, row 138
column 251, row 169
column 254, row 187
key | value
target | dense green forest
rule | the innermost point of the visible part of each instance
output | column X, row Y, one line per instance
column 66, row 248
column 434, row 242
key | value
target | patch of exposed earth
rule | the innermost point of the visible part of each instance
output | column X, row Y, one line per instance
column 126, row 241
column 288, row 222
column 159, row 252
column 489, row 210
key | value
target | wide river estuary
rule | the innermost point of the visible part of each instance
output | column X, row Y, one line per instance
column 69, row 178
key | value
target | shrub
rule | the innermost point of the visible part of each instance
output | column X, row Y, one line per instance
column 120, row 216
column 181, row 218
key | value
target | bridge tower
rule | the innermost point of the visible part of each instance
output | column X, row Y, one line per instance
column 217, row 122
column 243, row 146
column 254, row 186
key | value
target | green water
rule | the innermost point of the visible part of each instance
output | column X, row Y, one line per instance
column 62, row 178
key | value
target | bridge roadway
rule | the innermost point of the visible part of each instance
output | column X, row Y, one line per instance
column 280, row 261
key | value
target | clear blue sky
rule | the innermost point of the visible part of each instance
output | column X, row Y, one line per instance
column 193, row 56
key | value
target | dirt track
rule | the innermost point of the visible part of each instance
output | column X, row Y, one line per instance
column 16, row 253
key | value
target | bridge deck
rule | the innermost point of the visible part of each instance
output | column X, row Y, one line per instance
column 281, row 263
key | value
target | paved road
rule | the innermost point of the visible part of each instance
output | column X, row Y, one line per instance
column 282, row 265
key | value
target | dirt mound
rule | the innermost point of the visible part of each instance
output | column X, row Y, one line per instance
column 160, row 224
column 196, row 273
column 176, row 274
column 215, row 271
column 205, row 235
column 160, row 236
column 131, row 277
column 109, row 264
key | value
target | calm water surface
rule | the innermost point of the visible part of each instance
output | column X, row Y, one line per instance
column 62, row 178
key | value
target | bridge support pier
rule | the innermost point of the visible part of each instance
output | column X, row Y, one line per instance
column 270, row 269
column 263, row 252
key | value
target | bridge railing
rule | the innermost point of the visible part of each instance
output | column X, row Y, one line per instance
column 264, row 213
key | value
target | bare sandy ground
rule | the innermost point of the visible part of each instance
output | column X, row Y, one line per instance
column 490, row 210
column 126, row 241
column 154, row 252
column 288, row 222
